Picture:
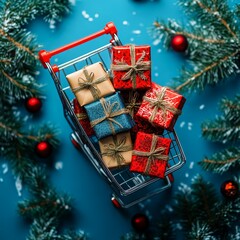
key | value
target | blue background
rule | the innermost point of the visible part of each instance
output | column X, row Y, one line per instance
column 93, row 211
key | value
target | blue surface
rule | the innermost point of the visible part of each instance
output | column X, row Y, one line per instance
column 93, row 211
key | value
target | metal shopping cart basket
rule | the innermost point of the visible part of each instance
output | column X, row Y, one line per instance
column 128, row 187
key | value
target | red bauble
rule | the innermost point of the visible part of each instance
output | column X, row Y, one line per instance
column 140, row 222
column 43, row 149
column 33, row 104
column 230, row 189
column 179, row 43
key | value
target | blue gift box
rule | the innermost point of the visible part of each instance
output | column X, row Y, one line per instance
column 108, row 116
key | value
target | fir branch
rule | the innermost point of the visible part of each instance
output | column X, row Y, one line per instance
column 223, row 161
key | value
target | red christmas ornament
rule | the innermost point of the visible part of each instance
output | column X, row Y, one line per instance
column 179, row 43
column 33, row 104
column 43, row 149
column 140, row 222
column 230, row 189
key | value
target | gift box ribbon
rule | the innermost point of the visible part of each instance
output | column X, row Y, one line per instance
column 89, row 83
column 132, row 103
column 110, row 114
column 115, row 149
column 153, row 154
column 81, row 116
column 160, row 103
column 136, row 67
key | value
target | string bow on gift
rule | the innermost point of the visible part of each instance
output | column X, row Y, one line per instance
column 136, row 67
column 160, row 103
column 115, row 149
column 132, row 103
column 153, row 154
column 89, row 83
column 110, row 114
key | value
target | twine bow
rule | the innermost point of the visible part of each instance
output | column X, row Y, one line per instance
column 136, row 67
column 110, row 114
column 81, row 116
column 153, row 154
column 115, row 149
column 89, row 83
column 132, row 103
column 160, row 103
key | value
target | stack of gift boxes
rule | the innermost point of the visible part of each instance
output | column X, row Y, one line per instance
column 128, row 112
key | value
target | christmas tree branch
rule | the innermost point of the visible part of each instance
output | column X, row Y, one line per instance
column 163, row 27
column 216, row 13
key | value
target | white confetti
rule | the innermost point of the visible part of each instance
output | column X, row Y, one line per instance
column 90, row 19
column 84, row 14
column 125, row 22
column 96, row 15
column 169, row 208
column 1, row 179
column 134, row 13
column 156, row 41
column 190, row 126
column 131, row 39
column 186, row 175
column 136, row 31
column 52, row 23
column 182, row 124
column 201, row 107
column 156, row 74
column 58, row 165
column 5, row 168
column 159, row 50
column 191, row 165
column 18, row 184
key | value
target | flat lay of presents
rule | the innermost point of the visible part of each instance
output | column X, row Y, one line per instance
column 126, row 110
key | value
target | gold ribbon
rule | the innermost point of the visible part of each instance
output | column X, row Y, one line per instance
column 153, row 154
column 132, row 103
column 136, row 67
column 110, row 114
column 89, row 83
column 115, row 149
column 160, row 103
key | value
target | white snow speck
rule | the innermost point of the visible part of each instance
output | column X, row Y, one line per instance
column 84, row 14
column 56, row 60
column 136, row 31
column 96, row 15
column 159, row 50
column 134, row 13
column 52, row 23
column 186, row 175
column 125, row 22
column 73, row 2
column 58, row 165
column 156, row 42
column 191, row 165
column 131, row 39
column 1, row 179
column 189, row 126
column 5, row 168
column 156, row 74
column 182, row 124
column 90, row 19
column 18, row 184
column 169, row 208
column 201, row 107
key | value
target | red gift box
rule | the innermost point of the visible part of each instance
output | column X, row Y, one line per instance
column 82, row 117
column 161, row 106
column 150, row 155
column 131, row 67
column 133, row 100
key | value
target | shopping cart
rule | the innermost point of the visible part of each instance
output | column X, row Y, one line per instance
column 128, row 188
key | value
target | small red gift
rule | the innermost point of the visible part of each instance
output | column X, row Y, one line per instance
column 131, row 67
column 150, row 154
column 82, row 117
column 133, row 100
column 161, row 106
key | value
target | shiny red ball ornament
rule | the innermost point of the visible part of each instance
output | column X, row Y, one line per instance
column 230, row 189
column 179, row 43
column 33, row 104
column 140, row 222
column 43, row 149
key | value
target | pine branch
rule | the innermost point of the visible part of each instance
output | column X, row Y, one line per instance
column 222, row 161
column 211, row 27
column 225, row 128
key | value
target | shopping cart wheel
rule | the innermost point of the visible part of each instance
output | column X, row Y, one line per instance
column 115, row 202
column 74, row 141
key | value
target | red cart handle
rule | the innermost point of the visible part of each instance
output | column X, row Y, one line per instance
column 45, row 56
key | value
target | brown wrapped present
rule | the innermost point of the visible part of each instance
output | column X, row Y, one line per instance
column 116, row 150
column 90, row 83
